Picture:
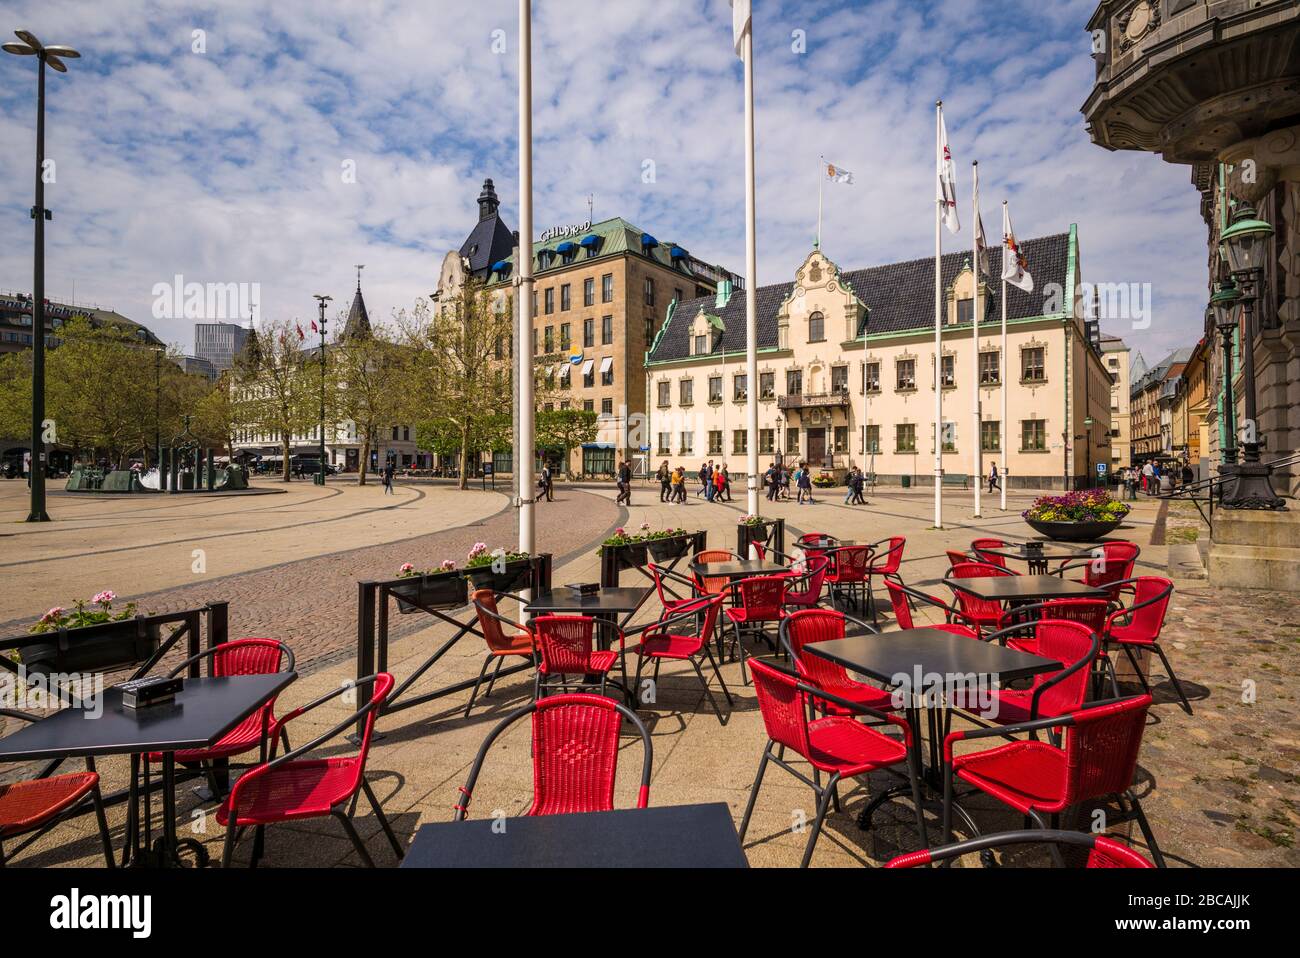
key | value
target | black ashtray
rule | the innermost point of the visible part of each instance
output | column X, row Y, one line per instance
column 583, row 588
column 1033, row 547
column 143, row 693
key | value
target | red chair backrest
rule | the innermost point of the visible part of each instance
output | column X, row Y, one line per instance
column 1090, row 612
column 814, row 578
column 575, row 754
column 1067, row 643
column 979, row 545
column 656, row 573
column 973, row 605
column 1108, row 853
column 383, row 684
column 1148, row 621
column 892, row 559
column 817, row 625
column 851, row 563
column 1113, row 565
column 955, row 558
column 763, row 596
column 565, row 642
column 1101, row 749
column 782, row 706
column 809, row 537
column 898, row 599
column 714, row 585
column 248, row 657
column 492, row 632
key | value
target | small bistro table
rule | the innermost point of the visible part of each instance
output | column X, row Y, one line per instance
column 203, row 711
column 615, row 605
column 1022, row 589
column 737, row 568
column 669, row 836
column 1042, row 555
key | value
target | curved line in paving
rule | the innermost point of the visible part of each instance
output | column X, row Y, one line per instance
column 110, row 521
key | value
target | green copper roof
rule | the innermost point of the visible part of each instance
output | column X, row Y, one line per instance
column 617, row 236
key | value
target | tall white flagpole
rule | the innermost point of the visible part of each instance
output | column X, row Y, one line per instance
column 938, row 320
column 1002, row 374
column 977, row 456
column 524, row 442
column 751, row 278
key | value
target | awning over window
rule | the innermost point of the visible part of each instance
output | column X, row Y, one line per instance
column 565, row 247
column 678, row 253
column 648, row 241
column 586, row 367
column 501, row 266
column 597, row 445
column 564, row 371
column 606, row 364
column 591, row 240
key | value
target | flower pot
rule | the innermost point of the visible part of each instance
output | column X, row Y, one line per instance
column 444, row 590
column 107, row 647
column 664, row 550
column 518, row 574
column 632, row 554
column 1089, row 531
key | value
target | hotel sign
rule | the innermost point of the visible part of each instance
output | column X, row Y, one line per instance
column 556, row 232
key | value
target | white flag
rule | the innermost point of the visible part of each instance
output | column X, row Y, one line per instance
column 837, row 174
column 981, row 244
column 946, row 187
column 1014, row 264
column 739, row 21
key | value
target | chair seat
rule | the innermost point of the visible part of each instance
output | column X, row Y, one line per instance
column 842, row 745
column 665, row 645
column 599, row 661
column 244, row 737
column 1129, row 635
column 521, row 643
column 304, row 789
column 1024, row 775
column 1008, row 706
column 858, row 692
column 29, row 804
column 744, row 617
column 963, row 630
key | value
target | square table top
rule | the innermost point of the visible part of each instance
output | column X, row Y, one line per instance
column 1026, row 588
column 669, row 836
column 932, row 651
column 203, row 711
column 738, row 568
column 1049, row 550
column 613, row 600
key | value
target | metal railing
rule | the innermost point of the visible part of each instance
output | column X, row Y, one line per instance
column 1212, row 487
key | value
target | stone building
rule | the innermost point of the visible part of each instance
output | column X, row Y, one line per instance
column 1116, row 354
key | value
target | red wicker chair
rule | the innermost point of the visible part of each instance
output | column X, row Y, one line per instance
column 33, row 806
column 901, row 597
column 520, row 643
column 575, row 755
column 1139, row 626
column 762, row 600
column 292, row 787
column 810, row 583
column 1103, row 852
column 979, row 547
column 1036, row 778
column 825, row 625
column 658, row 644
column 838, row 746
column 1107, row 570
column 984, row 613
column 568, row 653
column 852, row 570
column 885, row 564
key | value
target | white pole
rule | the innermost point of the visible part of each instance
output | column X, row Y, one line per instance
column 938, row 324
column 976, row 456
column 1002, row 430
column 524, row 442
column 751, row 277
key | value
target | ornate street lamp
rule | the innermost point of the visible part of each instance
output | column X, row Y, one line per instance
column 321, row 300
column 1245, row 244
column 1222, row 306
column 47, row 56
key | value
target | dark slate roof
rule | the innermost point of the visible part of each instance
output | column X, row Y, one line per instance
column 358, row 323
column 900, row 297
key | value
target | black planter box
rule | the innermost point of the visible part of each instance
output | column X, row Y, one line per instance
column 664, row 550
column 633, row 554
column 108, row 647
column 517, row 575
column 1075, row 531
column 444, row 590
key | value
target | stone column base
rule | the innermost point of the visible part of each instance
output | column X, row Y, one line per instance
column 1255, row 550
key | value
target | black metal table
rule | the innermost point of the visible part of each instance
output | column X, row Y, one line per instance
column 671, row 836
column 1025, row 588
column 916, row 658
column 603, row 603
column 737, row 569
column 1042, row 555
column 203, row 711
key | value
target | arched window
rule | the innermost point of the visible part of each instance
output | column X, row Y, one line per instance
column 816, row 328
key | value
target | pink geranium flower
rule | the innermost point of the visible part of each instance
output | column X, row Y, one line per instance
column 104, row 598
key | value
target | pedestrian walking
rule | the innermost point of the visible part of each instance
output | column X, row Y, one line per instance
column 803, row 480
column 388, row 478
column 994, row 482
column 719, row 484
column 679, row 485
column 664, row 475
column 859, row 480
column 624, row 482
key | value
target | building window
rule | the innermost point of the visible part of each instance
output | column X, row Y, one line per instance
column 905, row 437
column 792, row 441
column 1033, row 435
column 794, row 382
column 816, row 328
column 534, row 340
column 548, row 296
column 649, row 291
column 870, row 439
column 839, row 379
column 565, row 335
column 589, row 291
column 665, row 440
column 906, row 374
column 949, row 375
column 606, row 330
column 701, row 345
column 394, row 434
column 766, row 385
column 715, row 389
column 767, row 441
column 677, row 294
column 991, row 436
column 1032, row 366
column 665, row 393
column 686, row 392
column 739, row 442
column 871, row 377
column 548, row 407
column 607, row 373
column 597, row 462
column 588, row 405
column 588, row 375
column 549, row 337
column 740, row 387
column 841, row 439
column 607, row 288
column 966, row 309
column 565, row 301
column 948, row 434
column 649, row 330
column 990, row 368
column 715, row 442
column 688, row 443
column 607, row 407
column 588, row 332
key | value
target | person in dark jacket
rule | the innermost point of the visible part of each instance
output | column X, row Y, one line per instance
column 624, row 484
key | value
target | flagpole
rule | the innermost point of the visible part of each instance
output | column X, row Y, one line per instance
column 938, row 323
column 821, row 170
column 524, row 443
column 1002, row 430
column 976, row 455
column 751, row 280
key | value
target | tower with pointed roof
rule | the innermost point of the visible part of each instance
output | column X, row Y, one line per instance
column 358, row 321
column 490, row 241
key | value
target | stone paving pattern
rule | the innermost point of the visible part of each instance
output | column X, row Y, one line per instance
column 1220, row 787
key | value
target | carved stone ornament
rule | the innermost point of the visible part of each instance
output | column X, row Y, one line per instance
column 1136, row 22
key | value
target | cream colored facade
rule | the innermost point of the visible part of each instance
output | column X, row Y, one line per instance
column 1116, row 356
column 835, row 393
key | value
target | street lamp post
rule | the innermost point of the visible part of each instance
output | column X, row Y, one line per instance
column 52, row 56
column 1245, row 245
column 1222, row 305
column 321, row 300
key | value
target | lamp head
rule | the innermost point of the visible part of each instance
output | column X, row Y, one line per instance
column 1223, row 303
column 1244, row 242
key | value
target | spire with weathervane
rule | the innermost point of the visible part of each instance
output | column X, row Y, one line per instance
column 358, row 322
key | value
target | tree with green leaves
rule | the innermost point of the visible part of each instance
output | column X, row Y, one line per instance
column 369, row 370
column 566, row 429
column 277, row 388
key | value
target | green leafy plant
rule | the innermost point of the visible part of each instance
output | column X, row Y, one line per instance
column 409, row 571
column 95, row 612
column 1085, row 505
column 481, row 555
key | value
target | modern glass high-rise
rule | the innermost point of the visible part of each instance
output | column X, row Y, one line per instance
column 219, row 343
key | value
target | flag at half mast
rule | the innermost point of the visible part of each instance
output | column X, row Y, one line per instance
column 946, row 187
column 1015, row 268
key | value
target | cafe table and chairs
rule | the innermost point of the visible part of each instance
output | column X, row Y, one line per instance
column 1037, row 554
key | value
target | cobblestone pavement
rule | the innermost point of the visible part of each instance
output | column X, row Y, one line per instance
column 1219, row 787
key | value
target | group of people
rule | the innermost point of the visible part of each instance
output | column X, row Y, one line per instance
column 778, row 478
column 714, row 483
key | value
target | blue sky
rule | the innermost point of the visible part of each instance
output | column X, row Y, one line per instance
column 226, row 165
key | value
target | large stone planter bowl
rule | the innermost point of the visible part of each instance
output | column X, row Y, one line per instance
column 1075, row 531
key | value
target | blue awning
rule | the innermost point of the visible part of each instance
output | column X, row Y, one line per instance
column 597, row 445
column 590, row 240
column 565, row 247
column 678, row 253
column 648, row 240
column 501, row 266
